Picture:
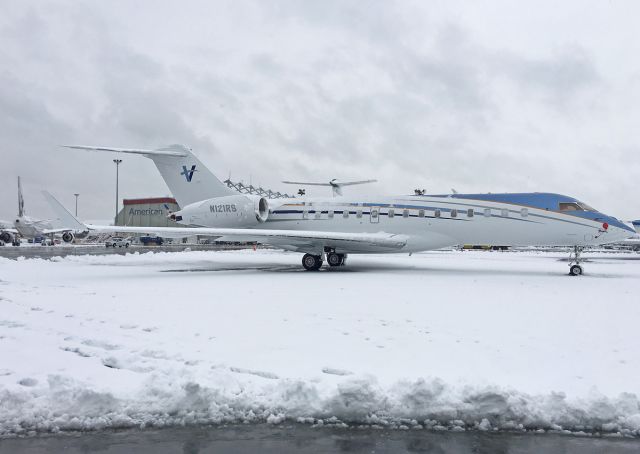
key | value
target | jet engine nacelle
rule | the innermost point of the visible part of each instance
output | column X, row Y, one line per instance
column 233, row 211
column 68, row 237
column 7, row 237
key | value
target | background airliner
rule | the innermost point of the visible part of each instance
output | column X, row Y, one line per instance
column 31, row 228
column 330, row 228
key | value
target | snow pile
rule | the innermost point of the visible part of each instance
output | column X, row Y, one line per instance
column 441, row 341
column 65, row 405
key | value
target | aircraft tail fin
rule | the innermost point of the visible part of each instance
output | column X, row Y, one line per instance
column 64, row 217
column 636, row 225
column 20, row 200
column 187, row 178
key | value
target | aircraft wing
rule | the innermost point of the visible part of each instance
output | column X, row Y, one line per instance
column 2, row 229
column 308, row 241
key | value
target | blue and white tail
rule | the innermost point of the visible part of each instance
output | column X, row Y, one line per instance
column 187, row 178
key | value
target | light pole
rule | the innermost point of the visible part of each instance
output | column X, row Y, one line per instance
column 76, row 204
column 117, row 161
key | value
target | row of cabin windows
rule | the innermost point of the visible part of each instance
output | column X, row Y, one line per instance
column 524, row 212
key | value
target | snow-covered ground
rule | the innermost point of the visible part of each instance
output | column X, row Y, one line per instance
column 441, row 340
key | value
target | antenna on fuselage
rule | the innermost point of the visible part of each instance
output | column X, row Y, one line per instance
column 336, row 186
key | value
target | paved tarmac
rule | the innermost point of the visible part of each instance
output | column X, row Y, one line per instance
column 268, row 439
column 60, row 250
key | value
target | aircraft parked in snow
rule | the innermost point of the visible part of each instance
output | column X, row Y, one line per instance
column 330, row 228
column 31, row 228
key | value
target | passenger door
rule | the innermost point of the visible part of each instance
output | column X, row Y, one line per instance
column 374, row 216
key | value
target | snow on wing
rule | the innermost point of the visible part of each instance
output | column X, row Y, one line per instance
column 300, row 240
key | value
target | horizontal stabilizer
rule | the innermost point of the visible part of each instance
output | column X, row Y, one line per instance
column 188, row 179
column 306, row 184
column 336, row 185
column 331, row 183
column 160, row 152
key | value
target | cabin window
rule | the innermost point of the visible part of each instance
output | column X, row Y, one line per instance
column 437, row 213
column 569, row 206
column 330, row 214
column 318, row 214
column 391, row 212
column 470, row 213
column 454, row 213
column 487, row 212
column 405, row 214
column 524, row 212
column 505, row 213
column 305, row 214
column 420, row 213
column 359, row 213
column 345, row 214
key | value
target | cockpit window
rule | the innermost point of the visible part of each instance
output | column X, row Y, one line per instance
column 569, row 206
column 586, row 207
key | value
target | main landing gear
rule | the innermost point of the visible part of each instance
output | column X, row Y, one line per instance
column 334, row 259
column 312, row 262
column 574, row 262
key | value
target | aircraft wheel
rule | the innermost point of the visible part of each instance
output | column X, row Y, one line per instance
column 334, row 259
column 311, row 262
column 575, row 270
column 126, row 245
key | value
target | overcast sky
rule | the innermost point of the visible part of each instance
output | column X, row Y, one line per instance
column 481, row 96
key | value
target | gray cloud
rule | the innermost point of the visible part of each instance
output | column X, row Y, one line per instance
column 412, row 94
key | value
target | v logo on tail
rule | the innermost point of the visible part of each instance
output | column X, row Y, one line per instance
column 188, row 174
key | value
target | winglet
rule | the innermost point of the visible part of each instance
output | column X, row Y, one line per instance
column 67, row 219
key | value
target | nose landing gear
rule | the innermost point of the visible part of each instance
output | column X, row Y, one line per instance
column 574, row 262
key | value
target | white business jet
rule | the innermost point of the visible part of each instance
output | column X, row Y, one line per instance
column 330, row 228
